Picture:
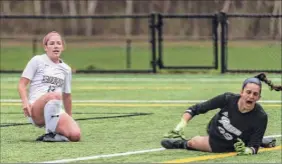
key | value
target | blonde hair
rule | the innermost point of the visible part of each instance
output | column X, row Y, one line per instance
column 49, row 35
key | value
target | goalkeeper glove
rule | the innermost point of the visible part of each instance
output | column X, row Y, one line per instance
column 241, row 149
column 175, row 134
column 178, row 132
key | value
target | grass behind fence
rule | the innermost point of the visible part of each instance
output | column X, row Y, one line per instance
column 94, row 55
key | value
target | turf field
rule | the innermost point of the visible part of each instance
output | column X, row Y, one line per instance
column 123, row 118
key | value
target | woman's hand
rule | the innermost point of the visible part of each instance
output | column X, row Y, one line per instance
column 27, row 109
column 241, row 149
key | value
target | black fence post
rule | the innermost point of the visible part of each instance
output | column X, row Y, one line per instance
column 128, row 53
column 34, row 46
column 215, row 39
column 152, row 26
column 160, row 40
column 223, row 40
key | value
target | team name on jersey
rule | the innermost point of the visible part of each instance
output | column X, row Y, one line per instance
column 227, row 125
column 53, row 80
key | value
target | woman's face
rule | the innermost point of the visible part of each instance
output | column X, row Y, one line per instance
column 250, row 95
column 54, row 47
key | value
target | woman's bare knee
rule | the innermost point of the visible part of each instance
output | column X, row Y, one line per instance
column 75, row 136
column 193, row 142
column 68, row 127
column 200, row 143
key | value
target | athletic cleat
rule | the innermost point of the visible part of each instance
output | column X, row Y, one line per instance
column 268, row 142
column 40, row 138
column 52, row 137
column 169, row 143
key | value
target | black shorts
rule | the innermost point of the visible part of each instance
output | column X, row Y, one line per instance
column 220, row 146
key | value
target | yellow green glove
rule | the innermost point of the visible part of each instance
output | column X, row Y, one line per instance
column 175, row 134
column 241, row 149
column 178, row 131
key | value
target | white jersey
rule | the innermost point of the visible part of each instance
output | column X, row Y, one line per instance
column 46, row 76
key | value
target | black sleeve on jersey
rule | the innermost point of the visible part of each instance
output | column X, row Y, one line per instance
column 257, row 136
column 214, row 103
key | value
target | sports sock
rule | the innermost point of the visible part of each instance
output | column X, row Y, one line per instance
column 52, row 111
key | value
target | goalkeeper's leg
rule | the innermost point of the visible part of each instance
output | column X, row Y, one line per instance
column 268, row 142
column 200, row 143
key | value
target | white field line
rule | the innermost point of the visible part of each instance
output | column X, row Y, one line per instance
column 104, row 156
column 156, row 79
column 118, row 154
column 139, row 101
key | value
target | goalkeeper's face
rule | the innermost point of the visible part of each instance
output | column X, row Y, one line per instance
column 250, row 94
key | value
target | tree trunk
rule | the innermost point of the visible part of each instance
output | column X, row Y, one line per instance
column 37, row 7
column 64, row 7
column 226, row 6
column 47, row 12
column 128, row 21
column 196, row 27
column 167, row 6
column 47, row 7
column 259, row 5
column 280, row 22
column 153, row 6
column 73, row 11
column 6, row 7
column 276, row 10
column 90, row 11
column 37, row 10
column 184, row 26
column 82, row 7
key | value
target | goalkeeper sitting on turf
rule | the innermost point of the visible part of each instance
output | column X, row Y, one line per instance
column 239, row 125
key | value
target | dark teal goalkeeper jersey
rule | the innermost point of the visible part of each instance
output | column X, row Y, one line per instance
column 229, row 123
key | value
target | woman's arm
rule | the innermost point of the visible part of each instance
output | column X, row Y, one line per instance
column 211, row 104
column 23, row 95
column 257, row 136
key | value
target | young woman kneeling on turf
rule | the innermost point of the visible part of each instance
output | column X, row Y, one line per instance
column 49, row 80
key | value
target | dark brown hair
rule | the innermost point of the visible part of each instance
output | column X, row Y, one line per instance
column 262, row 77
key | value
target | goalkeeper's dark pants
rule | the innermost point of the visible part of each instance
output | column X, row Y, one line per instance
column 220, row 146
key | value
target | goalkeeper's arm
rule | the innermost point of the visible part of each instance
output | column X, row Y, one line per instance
column 214, row 103
column 183, row 122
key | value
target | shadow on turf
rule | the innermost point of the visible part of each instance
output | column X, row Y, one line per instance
column 81, row 119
